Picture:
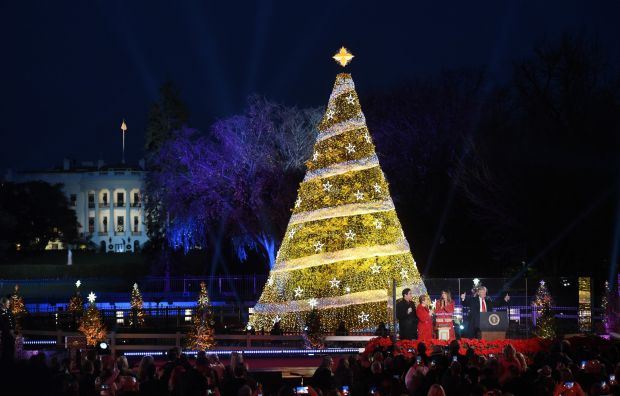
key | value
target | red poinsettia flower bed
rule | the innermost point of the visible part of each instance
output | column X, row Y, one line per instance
column 481, row 347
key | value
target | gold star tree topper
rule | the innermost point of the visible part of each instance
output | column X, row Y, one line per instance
column 343, row 57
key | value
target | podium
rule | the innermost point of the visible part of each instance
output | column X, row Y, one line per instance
column 493, row 325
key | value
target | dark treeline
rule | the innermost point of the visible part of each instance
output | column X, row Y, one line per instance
column 493, row 177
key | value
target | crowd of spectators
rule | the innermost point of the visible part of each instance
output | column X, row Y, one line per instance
column 563, row 370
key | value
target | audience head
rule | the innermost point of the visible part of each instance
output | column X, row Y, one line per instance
column 565, row 346
column 421, row 349
column 566, row 375
column 509, row 352
column 473, row 374
column 236, row 359
column 286, row 390
column 522, row 360
column 88, row 367
column 146, row 369
column 436, row 390
column 91, row 355
column 376, row 368
column 239, row 371
column 545, row 371
column 122, row 363
column 455, row 369
column 454, row 347
column 327, row 362
column 245, row 390
column 173, row 354
column 5, row 302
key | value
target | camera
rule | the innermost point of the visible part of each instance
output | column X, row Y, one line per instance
column 345, row 390
column 301, row 390
column 455, row 358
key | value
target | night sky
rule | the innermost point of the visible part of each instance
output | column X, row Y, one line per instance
column 71, row 71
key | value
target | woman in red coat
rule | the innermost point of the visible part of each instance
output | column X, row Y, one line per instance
column 444, row 310
column 425, row 321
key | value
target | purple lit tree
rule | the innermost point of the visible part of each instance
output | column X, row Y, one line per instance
column 239, row 180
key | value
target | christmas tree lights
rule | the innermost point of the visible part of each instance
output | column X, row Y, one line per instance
column 91, row 324
column 344, row 244
column 18, row 308
column 76, row 302
column 201, row 334
column 545, row 319
column 136, row 318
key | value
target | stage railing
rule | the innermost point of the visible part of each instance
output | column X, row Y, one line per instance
column 161, row 342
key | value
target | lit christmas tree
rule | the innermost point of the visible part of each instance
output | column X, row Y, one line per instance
column 200, row 335
column 344, row 244
column 545, row 320
column 18, row 308
column 137, row 310
column 91, row 324
column 76, row 302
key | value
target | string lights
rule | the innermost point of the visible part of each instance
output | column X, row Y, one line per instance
column 344, row 244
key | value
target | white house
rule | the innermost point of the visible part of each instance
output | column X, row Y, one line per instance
column 107, row 200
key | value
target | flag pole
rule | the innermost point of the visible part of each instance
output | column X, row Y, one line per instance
column 123, row 128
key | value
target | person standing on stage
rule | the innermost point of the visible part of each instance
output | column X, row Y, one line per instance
column 425, row 320
column 405, row 313
column 444, row 311
column 477, row 303
column 7, row 328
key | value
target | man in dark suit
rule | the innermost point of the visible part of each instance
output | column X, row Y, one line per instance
column 407, row 319
column 477, row 303
column 7, row 332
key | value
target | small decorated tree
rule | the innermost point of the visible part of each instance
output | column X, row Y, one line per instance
column 201, row 334
column 76, row 302
column 137, row 310
column 18, row 308
column 608, row 305
column 545, row 321
column 91, row 324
